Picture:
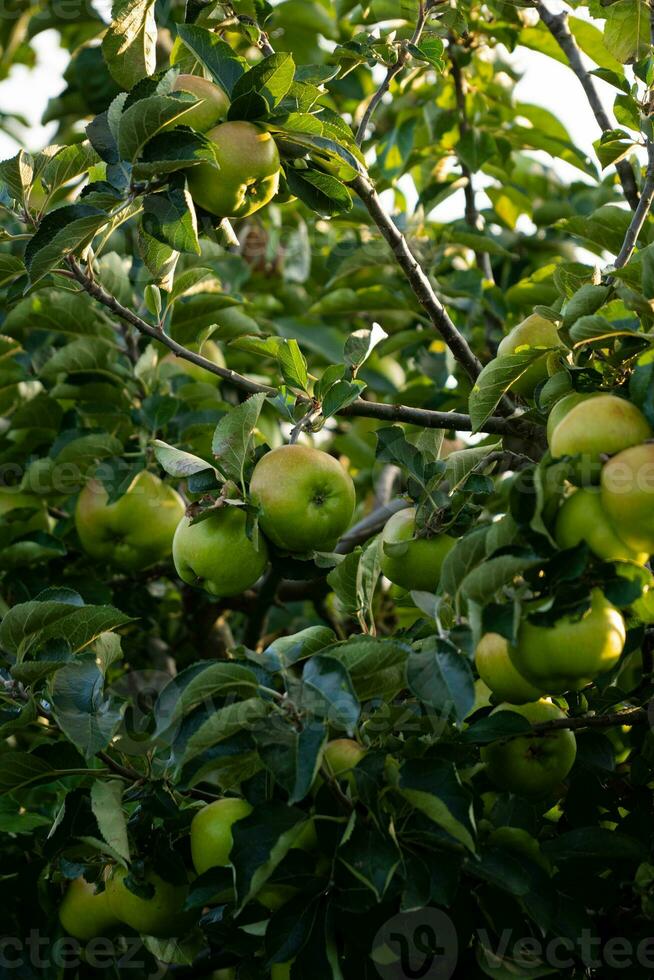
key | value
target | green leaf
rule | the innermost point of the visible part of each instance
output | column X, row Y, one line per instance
column 232, row 438
column 19, row 769
column 107, row 806
column 169, row 217
column 18, row 173
column 129, row 46
column 592, row 42
column 627, row 32
column 495, row 380
column 292, row 757
column 484, row 582
column 261, row 841
column 224, row 722
column 439, row 675
column 216, row 55
column 372, row 858
column 87, row 718
column 319, row 191
column 293, row 365
column 590, row 843
column 271, row 78
column 68, row 162
column 327, row 692
column 434, row 788
column 144, row 119
column 178, row 463
column 61, row 233
column 288, row 650
column 29, row 625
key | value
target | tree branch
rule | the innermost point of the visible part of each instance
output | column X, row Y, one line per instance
column 641, row 212
column 417, row 278
column 395, row 69
column 361, row 408
column 557, row 25
column 632, row 716
column 472, row 215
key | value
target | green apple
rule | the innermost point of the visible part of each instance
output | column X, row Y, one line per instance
column 496, row 669
column 305, row 497
column 603, row 424
column 136, row 530
column 159, row 916
column 534, row 331
column 339, row 758
column 413, row 562
column 177, row 365
column 217, row 554
column 570, row 654
column 628, row 496
column 532, row 766
column 583, row 518
column 248, row 177
column 211, row 832
column 274, row 897
column 85, row 913
column 12, row 499
column 561, row 408
column 212, row 106
column 281, row 971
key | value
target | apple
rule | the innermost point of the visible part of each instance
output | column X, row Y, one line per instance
column 496, row 669
column 583, row 518
column 305, row 497
column 561, row 408
column 217, row 554
column 274, row 897
column 210, row 350
column 534, row 331
column 13, row 499
column 211, row 832
column 281, row 971
column 413, row 562
column 532, row 766
column 85, row 913
column 627, row 483
column 248, row 177
column 159, row 916
column 136, row 530
column 603, row 424
column 212, row 107
column 570, row 654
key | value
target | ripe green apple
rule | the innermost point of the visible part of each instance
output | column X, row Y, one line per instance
column 159, row 916
column 217, row 554
column 628, row 496
column 341, row 755
column 85, row 914
column 210, row 350
column 210, row 110
column 211, row 833
column 570, row 654
column 496, row 669
column 603, row 424
column 532, row 766
column 281, row 971
column 248, row 177
column 136, row 530
column 306, row 498
column 534, row 331
column 583, row 518
column 561, row 408
column 414, row 563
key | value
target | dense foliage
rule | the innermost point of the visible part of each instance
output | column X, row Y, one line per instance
column 299, row 486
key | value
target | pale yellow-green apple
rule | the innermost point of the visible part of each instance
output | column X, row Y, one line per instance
column 339, row 758
column 628, row 496
column 534, row 331
column 603, row 424
column 574, row 651
column 532, row 766
column 248, row 177
column 177, row 365
column 521, row 843
column 583, row 518
column 281, row 971
column 160, row 916
column 212, row 105
column 496, row 669
column 85, row 913
column 136, row 530
column 305, row 497
column 217, row 555
column 561, row 408
column 413, row 562
column 211, row 832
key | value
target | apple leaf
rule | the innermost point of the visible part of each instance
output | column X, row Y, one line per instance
column 327, row 692
column 144, row 119
column 495, row 380
column 61, row 233
column 130, row 44
column 433, row 786
column 440, row 676
column 169, row 217
column 29, row 625
column 106, row 803
column 292, row 757
column 271, row 79
column 17, row 175
column 232, row 438
column 216, row 55
column 178, row 463
column 261, row 841
column 80, row 708
column 321, row 192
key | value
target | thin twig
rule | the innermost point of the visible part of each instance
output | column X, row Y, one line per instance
column 632, row 716
column 640, row 214
column 472, row 215
column 557, row 24
column 429, row 419
column 393, row 70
